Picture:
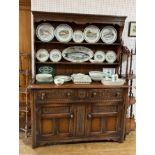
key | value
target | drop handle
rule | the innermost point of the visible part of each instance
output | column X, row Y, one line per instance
column 94, row 93
column 71, row 115
column 118, row 94
column 89, row 115
column 42, row 96
column 68, row 94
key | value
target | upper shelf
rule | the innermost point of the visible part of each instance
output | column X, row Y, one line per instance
column 73, row 43
column 75, row 63
column 78, row 18
column 129, row 76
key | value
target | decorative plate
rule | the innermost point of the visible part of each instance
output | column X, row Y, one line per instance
column 45, row 32
column 42, row 55
column 78, row 36
column 99, row 56
column 63, row 33
column 110, row 56
column 92, row 34
column 109, row 34
column 55, row 55
column 44, row 77
column 66, row 78
column 77, row 54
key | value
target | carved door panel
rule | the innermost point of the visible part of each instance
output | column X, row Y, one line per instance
column 80, row 119
column 103, row 119
column 54, row 121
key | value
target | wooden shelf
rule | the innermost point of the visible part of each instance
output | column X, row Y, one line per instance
column 129, row 76
column 73, row 43
column 72, row 85
column 75, row 63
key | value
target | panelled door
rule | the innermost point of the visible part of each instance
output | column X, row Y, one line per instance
column 54, row 121
column 104, row 118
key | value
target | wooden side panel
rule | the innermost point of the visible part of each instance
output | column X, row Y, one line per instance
column 25, row 30
column 24, row 51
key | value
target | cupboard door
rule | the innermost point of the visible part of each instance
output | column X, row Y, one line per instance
column 54, row 121
column 103, row 119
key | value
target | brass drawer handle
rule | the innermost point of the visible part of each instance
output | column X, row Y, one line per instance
column 71, row 116
column 89, row 115
column 42, row 96
column 94, row 94
column 68, row 94
column 118, row 94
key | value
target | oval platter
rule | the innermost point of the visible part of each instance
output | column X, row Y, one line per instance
column 77, row 54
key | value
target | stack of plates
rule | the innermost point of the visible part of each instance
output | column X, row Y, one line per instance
column 44, row 77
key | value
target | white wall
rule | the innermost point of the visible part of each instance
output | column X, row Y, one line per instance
column 105, row 7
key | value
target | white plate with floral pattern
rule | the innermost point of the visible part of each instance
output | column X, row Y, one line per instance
column 110, row 56
column 99, row 56
column 42, row 55
column 45, row 32
column 63, row 33
column 92, row 34
column 109, row 34
column 55, row 55
column 78, row 36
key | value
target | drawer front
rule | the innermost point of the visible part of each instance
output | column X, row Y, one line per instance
column 78, row 95
column 55, row 95
column 105, row 94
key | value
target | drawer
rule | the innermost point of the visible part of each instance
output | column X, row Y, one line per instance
column 55, row 95
column 78, row 95
column 105, row 94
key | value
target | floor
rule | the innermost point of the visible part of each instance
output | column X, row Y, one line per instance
column 95, row 148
